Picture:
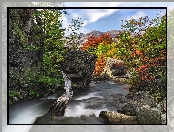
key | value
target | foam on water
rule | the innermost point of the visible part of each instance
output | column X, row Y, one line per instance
column 79, row 110
column 90, row 95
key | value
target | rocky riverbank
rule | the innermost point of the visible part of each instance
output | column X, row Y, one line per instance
column 140, row 108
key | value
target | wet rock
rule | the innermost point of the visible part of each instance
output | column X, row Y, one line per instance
column 86, row 116
column 147, row 115
column 58, row 108
column 113, row 117
column 92, row 115
column 79, row 65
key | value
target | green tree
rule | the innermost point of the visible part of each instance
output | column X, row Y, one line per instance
column 40, row 34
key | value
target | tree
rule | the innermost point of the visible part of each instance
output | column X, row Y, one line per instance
column 39, row 36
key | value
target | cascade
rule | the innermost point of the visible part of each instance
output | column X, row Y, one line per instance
column 58, row 108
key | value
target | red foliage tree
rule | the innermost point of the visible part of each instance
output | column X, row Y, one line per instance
column 93, row 41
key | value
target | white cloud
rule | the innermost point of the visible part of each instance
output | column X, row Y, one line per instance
column 96, row 14
column 85, row 22
column 137, row 15
column 93, row 15
column 75, row 16
column 88, row 16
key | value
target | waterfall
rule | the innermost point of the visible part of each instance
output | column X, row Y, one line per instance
column 58, row 108
column 69, row 92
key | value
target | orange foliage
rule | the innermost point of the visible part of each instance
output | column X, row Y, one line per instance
column 95, row 41
column 142, row 70
column 99, row 66
column 136, row 52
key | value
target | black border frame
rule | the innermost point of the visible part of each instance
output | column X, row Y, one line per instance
column 75, row 8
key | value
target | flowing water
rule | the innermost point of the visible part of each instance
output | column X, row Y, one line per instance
column 58, row 108
column 83, row 107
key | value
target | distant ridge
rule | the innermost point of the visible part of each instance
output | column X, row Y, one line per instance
column 83, row 37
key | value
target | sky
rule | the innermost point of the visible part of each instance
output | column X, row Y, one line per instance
column 110, row 19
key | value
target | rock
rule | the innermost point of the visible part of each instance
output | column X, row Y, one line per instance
column 143, row 98
column 147, row 115
column 79, row 65
column 58, row 108
column 137, row 100
column 128, row 109
column 115, row 67
column 117, row 118
column 115, row 70
column 92, row 115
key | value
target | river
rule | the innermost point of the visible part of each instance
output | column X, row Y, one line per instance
column 83, row 108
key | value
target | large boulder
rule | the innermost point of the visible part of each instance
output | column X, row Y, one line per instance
column 137, row 100
column 115, row 70
column 147, row 115
column 115, row 67
column 113, row 117
column 146, row 110
column 79, row 66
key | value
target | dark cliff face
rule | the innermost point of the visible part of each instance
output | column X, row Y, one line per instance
column 22, row 30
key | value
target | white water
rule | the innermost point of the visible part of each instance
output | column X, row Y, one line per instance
column 27, row 112
column 69, row 92
column 89, row 96
column 80, row 110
